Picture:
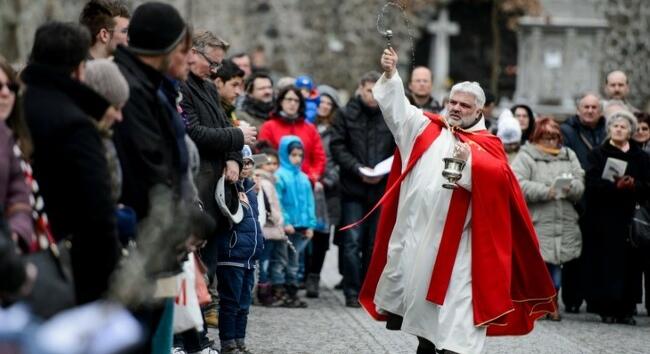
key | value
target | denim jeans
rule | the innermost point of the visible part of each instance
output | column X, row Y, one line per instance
column 273, row 262
column 555, row 271
column 299, row 242
column 235, row 286
column 357, row 245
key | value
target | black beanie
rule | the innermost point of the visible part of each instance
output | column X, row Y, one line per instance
column 155, row 29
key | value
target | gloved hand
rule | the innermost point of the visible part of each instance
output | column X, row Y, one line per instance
column 625, row 182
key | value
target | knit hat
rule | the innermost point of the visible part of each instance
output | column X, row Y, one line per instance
column 155, row 29
column 330, row 92
column 103, row 76
column 509, row 130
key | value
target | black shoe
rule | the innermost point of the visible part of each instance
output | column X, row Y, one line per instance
column 394, row 322
column 425, row 347
column 627, row 320
column 352, row 302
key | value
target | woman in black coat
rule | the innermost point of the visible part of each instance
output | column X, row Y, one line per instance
column 612, row 270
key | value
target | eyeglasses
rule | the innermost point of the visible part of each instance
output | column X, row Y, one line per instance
column 549, row 138
column 12, row 86
column 289, row 99
column 214, row 66
column 643, row 129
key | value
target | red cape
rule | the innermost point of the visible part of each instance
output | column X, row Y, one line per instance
column 511, row 286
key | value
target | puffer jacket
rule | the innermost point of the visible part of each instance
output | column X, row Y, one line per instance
column 555, row 220
column 242, row 245
column 294, row 189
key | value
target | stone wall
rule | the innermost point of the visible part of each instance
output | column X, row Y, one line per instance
column 627, row 45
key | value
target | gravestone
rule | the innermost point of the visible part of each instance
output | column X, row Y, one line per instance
column 560, row 55
column 442, row 29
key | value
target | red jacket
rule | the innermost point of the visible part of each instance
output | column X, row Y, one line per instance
column 510, row 284
column 276, row 127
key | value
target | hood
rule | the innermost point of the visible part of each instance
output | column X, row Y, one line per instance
column 283, row 152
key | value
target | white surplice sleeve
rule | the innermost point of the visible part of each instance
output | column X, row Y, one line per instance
column 404, row 120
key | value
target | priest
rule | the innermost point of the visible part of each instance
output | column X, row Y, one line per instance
column 452, row 266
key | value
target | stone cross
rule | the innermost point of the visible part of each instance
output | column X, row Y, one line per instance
column 439, row 53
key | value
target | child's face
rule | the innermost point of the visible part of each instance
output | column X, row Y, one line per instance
column 295, row 157
column 272, row 165
column 247, row 170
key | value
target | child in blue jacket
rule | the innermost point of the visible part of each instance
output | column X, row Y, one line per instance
column 239, row 249
column 298, row 208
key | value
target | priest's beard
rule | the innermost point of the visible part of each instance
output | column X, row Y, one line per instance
column 465, row 122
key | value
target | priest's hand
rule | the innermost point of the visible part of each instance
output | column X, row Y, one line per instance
column 389, row 62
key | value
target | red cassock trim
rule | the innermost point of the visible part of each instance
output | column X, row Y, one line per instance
column 511, row 286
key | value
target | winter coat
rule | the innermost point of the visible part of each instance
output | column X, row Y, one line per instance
column 331, row 178
column 146, row 139
column 360, row 137
column 555, row 220
column 242, row 245
column 215, row 137
column 294, row 190
column 430, row 106
column 277, row 127
column 311, row 106
column 14, row 192
column 612, row 273
column 274, row 220
column 582, row 139
column 70, row 165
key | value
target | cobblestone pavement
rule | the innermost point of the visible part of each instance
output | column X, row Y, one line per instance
column 327, row 326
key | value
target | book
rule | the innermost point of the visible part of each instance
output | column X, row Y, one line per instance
column 614, row 168
column 379, row 170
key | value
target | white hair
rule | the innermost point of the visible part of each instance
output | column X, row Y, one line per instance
column 473, row 88
column 624, row 116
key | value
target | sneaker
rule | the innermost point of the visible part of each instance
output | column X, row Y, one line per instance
column 293, row 302
column 232, row 349
column 207, row 350
column 244, row 350
column 211, row 318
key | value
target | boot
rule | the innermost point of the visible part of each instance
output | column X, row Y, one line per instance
column 292, row 299
column 211, row 317
column 264, row 294
column 311, row 284
column 278, row 295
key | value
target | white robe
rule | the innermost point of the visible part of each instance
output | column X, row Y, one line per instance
column 415, row 240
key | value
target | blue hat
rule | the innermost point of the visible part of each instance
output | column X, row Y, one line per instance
column 304, row 81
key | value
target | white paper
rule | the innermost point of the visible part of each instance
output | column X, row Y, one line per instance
column 380, row 169
column 614, row 168
column 560, row 183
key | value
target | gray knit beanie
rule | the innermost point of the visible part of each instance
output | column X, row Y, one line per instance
column 103, row 76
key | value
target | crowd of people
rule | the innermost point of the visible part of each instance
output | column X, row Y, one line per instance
column 133, row 136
